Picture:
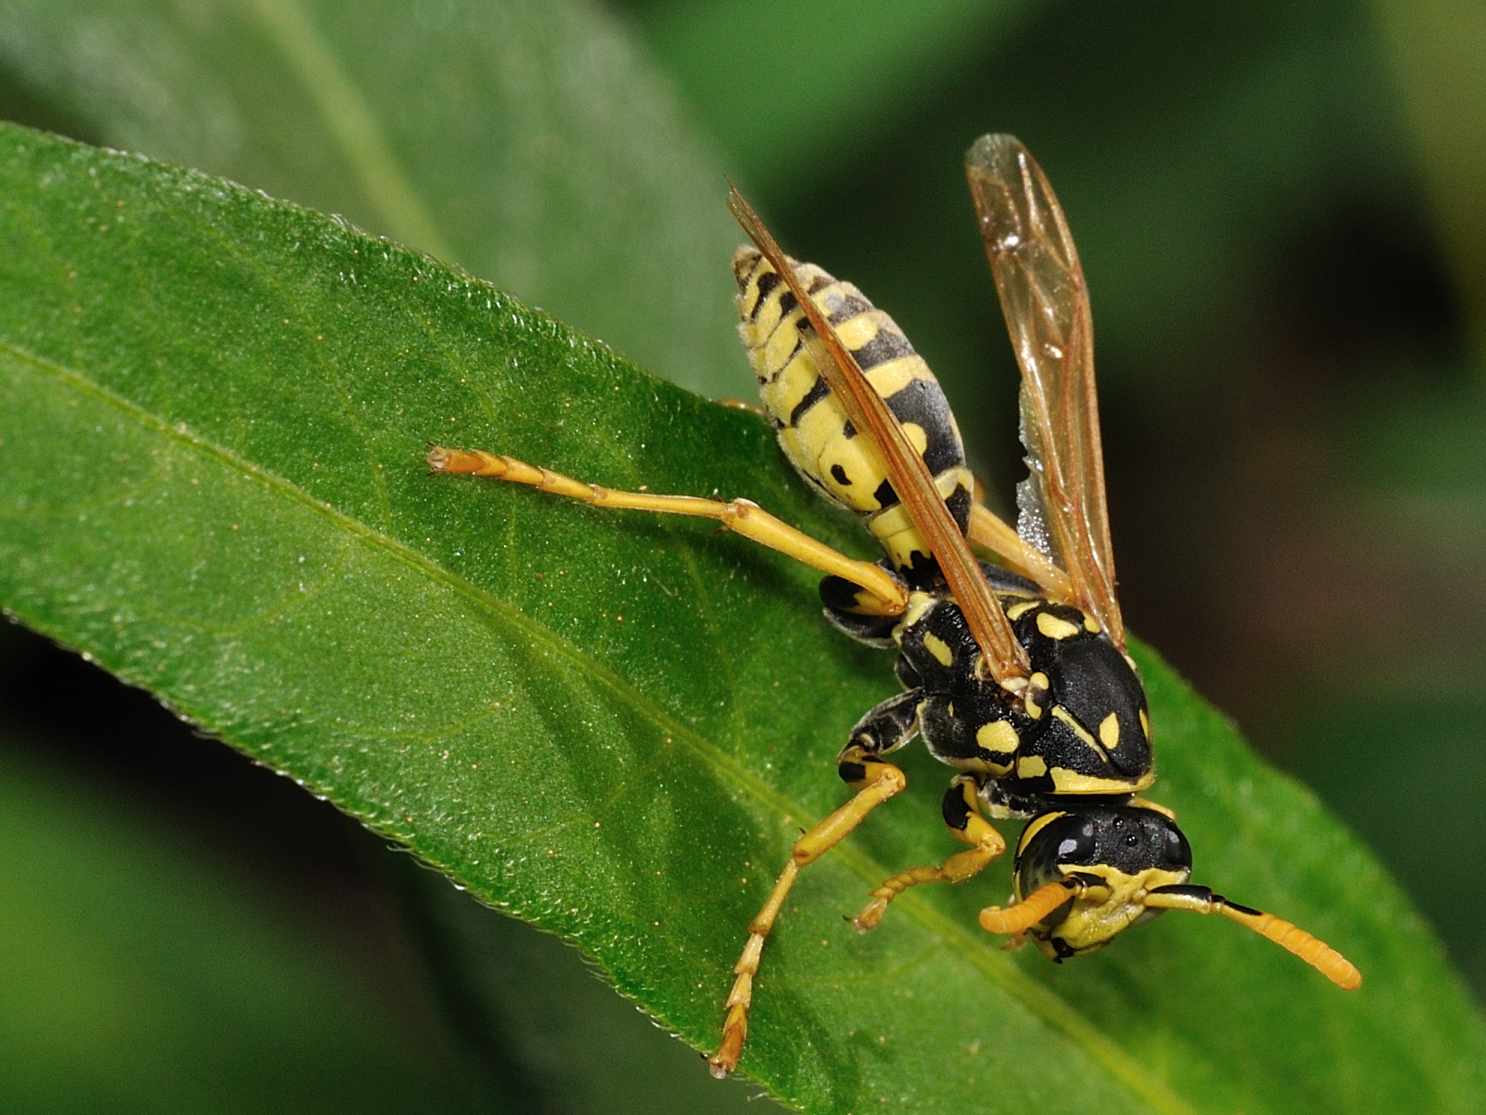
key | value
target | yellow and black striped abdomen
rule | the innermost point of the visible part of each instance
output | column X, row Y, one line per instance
column 814, row 431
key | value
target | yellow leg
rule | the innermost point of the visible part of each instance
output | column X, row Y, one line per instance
column 878, row 781
column 885, row 593
column 990, row 533
column 962, row 815
column 742, row 404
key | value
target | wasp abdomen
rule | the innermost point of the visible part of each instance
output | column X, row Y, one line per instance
column 813, row 429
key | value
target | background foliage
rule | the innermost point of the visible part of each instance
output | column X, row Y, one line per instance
column 1274, row 216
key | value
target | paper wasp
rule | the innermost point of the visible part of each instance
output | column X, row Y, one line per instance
column 1014, row 674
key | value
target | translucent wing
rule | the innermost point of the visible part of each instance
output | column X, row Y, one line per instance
column 1046, row 304
column 1003, row 656
column 1014, row 552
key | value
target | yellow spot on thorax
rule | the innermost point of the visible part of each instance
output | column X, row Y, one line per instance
column 1037, row 686
column 1031, row 766
column 1109, row 731
column 1067, row 718
column 918, row 604
column 1055, row 628
column 939, row 649
column 1071, row 782
column 998, row 737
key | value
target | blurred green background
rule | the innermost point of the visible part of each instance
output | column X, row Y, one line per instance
column 1278, row 215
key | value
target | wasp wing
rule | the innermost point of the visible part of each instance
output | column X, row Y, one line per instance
column 1003, row 656
column 989, row 531
column 1046, row 304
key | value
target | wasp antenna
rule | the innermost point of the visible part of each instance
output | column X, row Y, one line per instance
column 1022, row 916
column 1290, row 937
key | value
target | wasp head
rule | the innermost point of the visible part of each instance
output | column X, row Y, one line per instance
column 1087, row 873
column 1108, row 858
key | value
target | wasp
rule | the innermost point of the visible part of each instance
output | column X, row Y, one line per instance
column 1015, row 674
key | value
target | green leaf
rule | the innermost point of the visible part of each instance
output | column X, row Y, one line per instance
column 153, row 967
column 138, row 981
column 527, row 141
column 214, row 411
column 1435, row 78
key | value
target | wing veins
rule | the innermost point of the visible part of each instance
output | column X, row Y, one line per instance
column 1045, row 302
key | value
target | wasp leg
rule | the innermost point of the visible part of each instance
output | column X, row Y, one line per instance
column 888, row 726
column 742, row 404
column 1018, row 555
column 876, row 782
column 962, row 815
column 884, row 593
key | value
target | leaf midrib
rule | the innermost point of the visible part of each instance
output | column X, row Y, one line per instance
column 1036, row 998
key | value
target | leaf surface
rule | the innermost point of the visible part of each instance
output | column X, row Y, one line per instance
column 213, row 408
column 142, row 980
column 528, row 141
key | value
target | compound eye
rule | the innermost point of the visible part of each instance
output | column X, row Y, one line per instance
column 1067, row 840
column 1078, row 846
column 1177, row 850
column 1173, row 853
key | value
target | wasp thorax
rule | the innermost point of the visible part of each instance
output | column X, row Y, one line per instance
column 1116, row 855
